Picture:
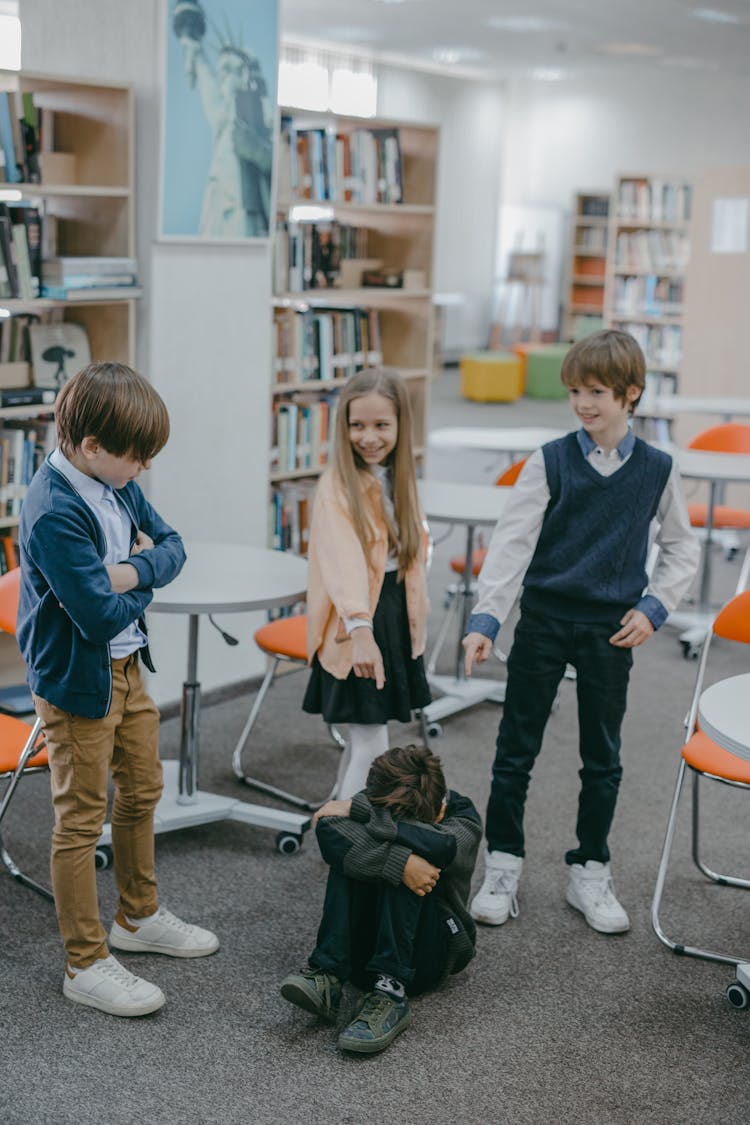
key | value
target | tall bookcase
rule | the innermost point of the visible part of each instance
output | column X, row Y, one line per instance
column 353, row 259
column 86, row 202
column 647, row 257
column 584, row 283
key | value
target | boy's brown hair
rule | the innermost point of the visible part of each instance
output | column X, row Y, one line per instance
column 115, row 405
column 408, row 781
column 610, row 357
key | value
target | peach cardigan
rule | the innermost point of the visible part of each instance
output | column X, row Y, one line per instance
column 341, row 584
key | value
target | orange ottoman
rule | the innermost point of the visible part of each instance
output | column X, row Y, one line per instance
column 491, row 376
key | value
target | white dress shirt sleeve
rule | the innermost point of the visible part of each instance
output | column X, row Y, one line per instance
column 513, row 541
column 679, row 549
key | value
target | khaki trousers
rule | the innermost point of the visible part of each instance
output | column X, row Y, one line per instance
column 81, row 753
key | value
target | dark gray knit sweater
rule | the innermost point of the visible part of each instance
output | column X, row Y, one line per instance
column 371, row 845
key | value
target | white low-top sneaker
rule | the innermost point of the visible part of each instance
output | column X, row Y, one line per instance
column 108, row 986
column 496, row 901
column 164, row 933
column 591, row 890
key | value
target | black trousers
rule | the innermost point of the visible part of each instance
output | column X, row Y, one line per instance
column 371, row 928
column 541, row 649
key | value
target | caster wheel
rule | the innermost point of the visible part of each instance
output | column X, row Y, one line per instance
column 737, row 995
column 690, row 651
column 288, row 844
column 103, row 857
column 434, row 730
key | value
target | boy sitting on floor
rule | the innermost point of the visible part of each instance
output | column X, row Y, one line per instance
column 395, row 919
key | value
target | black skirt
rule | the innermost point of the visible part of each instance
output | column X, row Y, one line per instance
column 356, row 700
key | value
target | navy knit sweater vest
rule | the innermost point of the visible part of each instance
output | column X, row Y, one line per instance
column 590, row 560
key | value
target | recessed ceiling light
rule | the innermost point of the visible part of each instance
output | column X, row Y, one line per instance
column 631, row 49
column 452, row 55
column 713, row 15
column 548, row 74
column 524, row 24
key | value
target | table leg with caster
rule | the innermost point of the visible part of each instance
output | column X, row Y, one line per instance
column 738, row 992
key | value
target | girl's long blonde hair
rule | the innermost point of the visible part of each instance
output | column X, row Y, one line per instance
column 349, row 469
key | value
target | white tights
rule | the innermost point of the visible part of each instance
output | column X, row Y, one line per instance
column 366, row 742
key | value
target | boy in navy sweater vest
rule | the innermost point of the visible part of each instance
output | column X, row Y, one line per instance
column 575, row 534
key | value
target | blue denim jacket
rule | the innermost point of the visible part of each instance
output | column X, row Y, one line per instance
column 67, row 611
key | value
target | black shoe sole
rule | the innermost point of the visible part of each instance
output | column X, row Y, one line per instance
column 296, row 993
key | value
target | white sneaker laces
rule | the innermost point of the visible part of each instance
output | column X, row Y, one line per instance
column 112, row 968
column 503, row 883
column 601, row 892
column 174, row 923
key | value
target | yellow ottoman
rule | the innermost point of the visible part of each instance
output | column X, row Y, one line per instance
column 491, row 376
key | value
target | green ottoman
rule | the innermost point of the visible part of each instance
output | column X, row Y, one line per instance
column 543, row 364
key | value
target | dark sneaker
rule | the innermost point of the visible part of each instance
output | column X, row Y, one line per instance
column 377, row 1023
column 314, row 990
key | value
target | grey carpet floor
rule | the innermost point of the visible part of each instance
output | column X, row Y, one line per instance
column 550, row 1023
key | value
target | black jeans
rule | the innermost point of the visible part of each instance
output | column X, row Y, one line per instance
column 541, row 649
column 371, row 928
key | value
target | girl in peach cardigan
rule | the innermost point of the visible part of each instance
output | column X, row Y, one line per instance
column 367, row 593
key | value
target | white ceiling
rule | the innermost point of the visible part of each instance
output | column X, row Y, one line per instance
column 495, row 39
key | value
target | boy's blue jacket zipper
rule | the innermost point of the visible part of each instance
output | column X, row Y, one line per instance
column 67, row 612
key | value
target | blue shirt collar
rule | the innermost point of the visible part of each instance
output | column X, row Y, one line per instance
column 588, row 445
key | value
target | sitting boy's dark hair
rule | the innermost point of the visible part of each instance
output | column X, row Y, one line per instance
column 115, row 405
column 408, row 781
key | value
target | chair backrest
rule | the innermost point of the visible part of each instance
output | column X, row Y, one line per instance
column 730, row 437
column 733, row 621
column 511, row 474
column 10, row 585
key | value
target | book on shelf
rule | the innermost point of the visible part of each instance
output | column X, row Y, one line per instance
column 20, row 249
column 328, row 164
column 29, row 217
column 24, row 444
column 92, row 293
column 290, row 511
column 87, row 273
column 27, row 396
column 8, row 251
column 58, row 351
column 13, row 165
column 14, row 338
column 9, row 557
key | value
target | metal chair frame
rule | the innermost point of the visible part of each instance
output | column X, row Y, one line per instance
column 13, row 777
column 708, row 872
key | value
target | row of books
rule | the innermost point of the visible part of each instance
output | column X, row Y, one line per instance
column 70, row 278
column 362, row 166
column 9, row 558
column 652, row 250
column 289, row 515
column 660, row 343
column 302, row 433
column 20, row 138
column 591, row 238
column 23, row 446
column 309, row 255
column 594, row 206
column 654, row 201
column 648, row 296
column 325, row 344
column 20, row 251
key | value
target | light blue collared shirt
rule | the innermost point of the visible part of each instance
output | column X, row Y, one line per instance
column 115, row 523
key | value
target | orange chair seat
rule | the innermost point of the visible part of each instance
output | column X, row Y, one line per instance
column 724, row 516
column 285, row 637
column 703, row 754
column 459, row 562
column 13, row 736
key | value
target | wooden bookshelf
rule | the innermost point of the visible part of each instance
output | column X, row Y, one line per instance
column 647, row 258
column 368, row 187
column 584, row 280
column 86, row 202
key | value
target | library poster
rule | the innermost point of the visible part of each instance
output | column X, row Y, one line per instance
column 219, row 111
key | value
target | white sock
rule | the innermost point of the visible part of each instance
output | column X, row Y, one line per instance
column 139, row 921
column 366, row 742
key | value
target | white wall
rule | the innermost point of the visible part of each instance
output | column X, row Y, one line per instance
column 566, row 136
column 203, row 328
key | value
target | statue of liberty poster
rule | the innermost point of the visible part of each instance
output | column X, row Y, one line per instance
column 217, row 151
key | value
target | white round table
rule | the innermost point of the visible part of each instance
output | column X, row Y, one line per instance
column 724, row 713
column 493, row 439
column 726, row 407
column 219, row 578
column 473, row 506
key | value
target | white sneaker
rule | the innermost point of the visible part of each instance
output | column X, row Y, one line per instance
column 592, row 891
column 496, row 899
column 164, row 933
column 109, row 986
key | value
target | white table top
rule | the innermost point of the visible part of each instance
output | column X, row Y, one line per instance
column 703, row 404
column 493, row 439
column 724, row 712
column 697, row 464
column 475, row 504
column 232, row 578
